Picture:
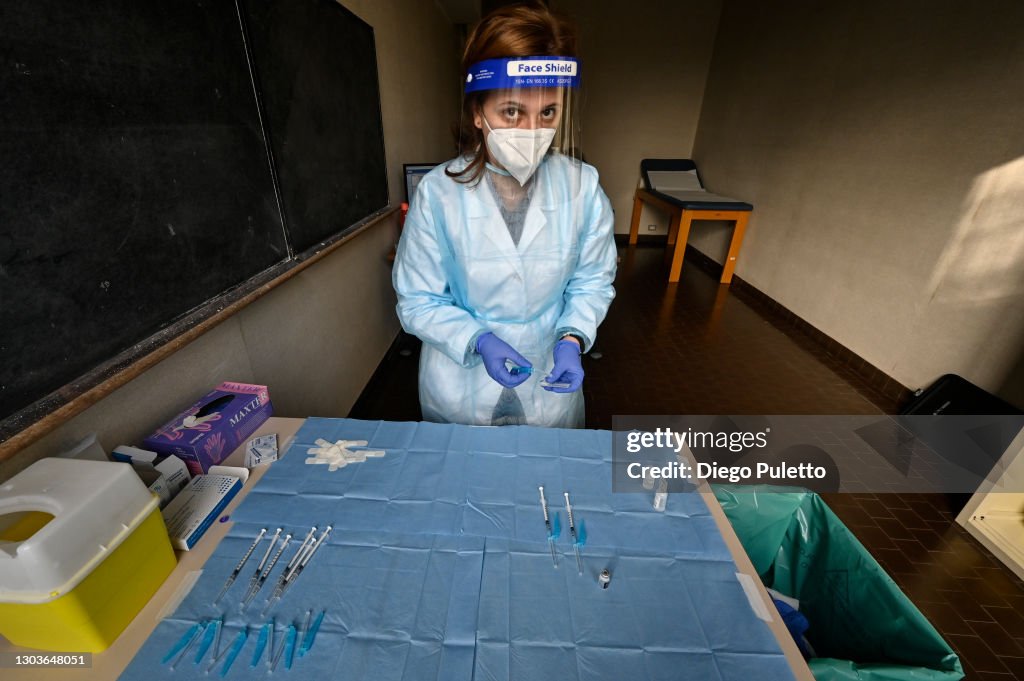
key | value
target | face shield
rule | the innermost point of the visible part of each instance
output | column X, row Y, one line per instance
column 520, row 113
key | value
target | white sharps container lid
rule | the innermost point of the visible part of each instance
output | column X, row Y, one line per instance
column 94, row 504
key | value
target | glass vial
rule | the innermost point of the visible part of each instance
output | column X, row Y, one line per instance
column 648, row 479
column 661, row 496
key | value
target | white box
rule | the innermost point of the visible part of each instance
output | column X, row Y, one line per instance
column 197, row 506
column 165, row 475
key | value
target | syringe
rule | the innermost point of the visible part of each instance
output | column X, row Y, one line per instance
column 575, row 537
column 518, row 370
column 547, row 524
column 292, row 573
column 307, row 640
column 196, row 633
column 241, row 564
column 299, row 554
column 263, row 561
column 266, row 573
column 284, row 573
column 181, row 647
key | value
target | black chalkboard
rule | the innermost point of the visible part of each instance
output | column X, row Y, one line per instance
column 316, row 71
column 149, row 150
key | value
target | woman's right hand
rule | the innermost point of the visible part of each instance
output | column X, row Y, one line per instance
column 496, row 353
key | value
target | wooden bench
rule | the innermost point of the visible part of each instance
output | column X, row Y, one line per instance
column 675, row 186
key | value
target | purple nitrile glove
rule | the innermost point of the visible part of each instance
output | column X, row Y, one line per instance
column 496, row 353
column 567, row 369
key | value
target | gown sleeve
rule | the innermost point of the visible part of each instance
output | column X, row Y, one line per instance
column 426, row 307
column 589, row 291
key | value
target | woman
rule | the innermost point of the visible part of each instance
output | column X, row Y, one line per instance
column 508, row 254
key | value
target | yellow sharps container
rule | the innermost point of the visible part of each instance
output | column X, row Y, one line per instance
column 82, row 549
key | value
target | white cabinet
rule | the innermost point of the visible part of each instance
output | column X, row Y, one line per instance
column 995, row 514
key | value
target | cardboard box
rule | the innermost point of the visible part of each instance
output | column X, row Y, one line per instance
column 164, row 475
column 204, row 434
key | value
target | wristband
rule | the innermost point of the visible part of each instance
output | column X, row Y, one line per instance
column 575, row 337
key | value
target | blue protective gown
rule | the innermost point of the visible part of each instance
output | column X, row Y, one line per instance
column 458, row 275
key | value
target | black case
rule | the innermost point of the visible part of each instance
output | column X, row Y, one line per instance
column 956, row 396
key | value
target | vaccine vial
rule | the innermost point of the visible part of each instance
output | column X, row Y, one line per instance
column 661, row 496
column 604, row 579
column 648, row 479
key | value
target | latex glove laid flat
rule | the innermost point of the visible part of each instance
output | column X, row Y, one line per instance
column 496, row 354
column 339, row 454
column 567, row 373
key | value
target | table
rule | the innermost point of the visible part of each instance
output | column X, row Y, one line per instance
column 682, row 217
column 109, row 664
column 438, row 567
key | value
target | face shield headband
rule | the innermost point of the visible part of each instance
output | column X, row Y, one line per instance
column 523, row 72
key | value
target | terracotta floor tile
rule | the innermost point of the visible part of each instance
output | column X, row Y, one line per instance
column 981, row 657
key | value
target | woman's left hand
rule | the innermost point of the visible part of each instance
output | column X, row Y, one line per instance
column 567, row 369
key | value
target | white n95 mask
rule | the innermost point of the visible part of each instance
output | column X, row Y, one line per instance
column 518, row 150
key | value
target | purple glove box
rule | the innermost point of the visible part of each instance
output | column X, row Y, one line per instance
column 207, row 432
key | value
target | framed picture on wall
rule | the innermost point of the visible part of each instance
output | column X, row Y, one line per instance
column 414, row 172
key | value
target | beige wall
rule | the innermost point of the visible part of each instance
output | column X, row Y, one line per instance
column 316, row 339
column 882, row 147
column 418, row 62
column 643, row 79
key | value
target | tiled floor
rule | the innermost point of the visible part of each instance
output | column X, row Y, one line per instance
column 699, row 348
